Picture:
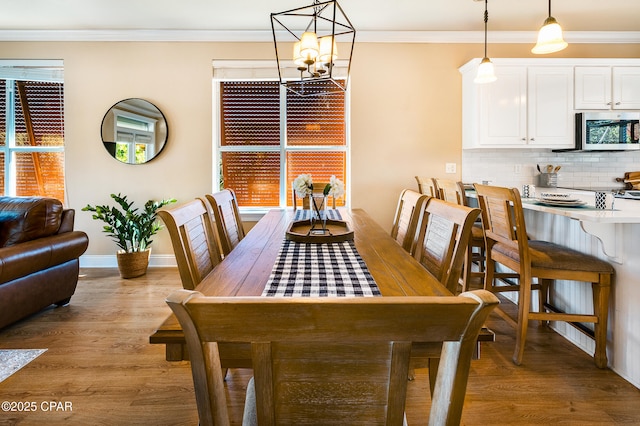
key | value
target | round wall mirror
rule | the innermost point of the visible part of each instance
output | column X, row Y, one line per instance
column 134, row 131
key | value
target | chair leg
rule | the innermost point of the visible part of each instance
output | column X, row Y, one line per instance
column 543, row 297
column 489, row 275
column 466, row 270
column 601, row 292
column 433, row 373
column 524, row 305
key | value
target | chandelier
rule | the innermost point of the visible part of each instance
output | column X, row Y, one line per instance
column 306, row 42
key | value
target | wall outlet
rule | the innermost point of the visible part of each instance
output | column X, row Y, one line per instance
column 517, row 169
column 450, row 168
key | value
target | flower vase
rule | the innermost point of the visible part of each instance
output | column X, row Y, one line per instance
column 318, row 216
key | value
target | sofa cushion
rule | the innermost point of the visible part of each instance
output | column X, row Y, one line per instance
column 27, row 218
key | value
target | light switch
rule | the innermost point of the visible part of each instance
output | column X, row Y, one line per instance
column 450, row 168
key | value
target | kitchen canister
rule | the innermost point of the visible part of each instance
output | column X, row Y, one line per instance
column 528, row 191
column 548, row 180
column 604, row 200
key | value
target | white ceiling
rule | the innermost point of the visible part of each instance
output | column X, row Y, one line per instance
column 366, row 15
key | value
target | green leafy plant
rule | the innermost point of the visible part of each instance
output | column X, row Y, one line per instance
column 130, row 229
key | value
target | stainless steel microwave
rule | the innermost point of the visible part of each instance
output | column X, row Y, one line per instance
column 608, row 131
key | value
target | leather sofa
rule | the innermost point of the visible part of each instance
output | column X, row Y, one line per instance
column 39, row 256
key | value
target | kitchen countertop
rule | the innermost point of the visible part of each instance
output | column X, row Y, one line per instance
column 624, row 211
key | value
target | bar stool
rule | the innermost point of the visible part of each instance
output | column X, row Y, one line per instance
column 427, row 186
column 453, row 192
column 507, row 244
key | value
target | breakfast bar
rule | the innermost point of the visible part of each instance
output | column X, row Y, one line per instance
column 612, row 235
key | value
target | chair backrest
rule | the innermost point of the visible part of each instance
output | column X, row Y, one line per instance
column 406, row 218
column 444, row 231
column 427, row 186
column 318, row 187
column 451, row 191
column 331, row 360
column 503, row 218
column 227, row 218
column 193, row 239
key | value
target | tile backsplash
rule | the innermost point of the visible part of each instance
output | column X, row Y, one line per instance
column 516, row 167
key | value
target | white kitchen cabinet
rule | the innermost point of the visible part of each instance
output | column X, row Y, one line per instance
column 550, row 119
column 607, row 87
column 502, row 111
column 526, row 107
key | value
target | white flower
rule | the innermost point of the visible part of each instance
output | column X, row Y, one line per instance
column 303, row 185
column 337, row 187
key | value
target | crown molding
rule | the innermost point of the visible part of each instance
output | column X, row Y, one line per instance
column 590, row 37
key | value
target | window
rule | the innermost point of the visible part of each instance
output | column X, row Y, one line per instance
column 268, row 136
column 31, row 132
column 134, row 135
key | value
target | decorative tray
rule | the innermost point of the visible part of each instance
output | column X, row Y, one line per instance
column 335, row 231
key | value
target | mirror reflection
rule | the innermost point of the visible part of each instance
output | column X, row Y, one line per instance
column 134, row 131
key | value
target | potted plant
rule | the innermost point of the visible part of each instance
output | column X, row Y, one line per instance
column 131, row 230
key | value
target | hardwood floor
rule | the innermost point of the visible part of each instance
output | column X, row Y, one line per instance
column 100, row 362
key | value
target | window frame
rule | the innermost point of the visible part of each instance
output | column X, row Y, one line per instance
column 132, row 146
column 50, row 71
column 283, row 148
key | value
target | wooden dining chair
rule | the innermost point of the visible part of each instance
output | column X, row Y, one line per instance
column 427, row 186
column 319, row 361
column 318, row 187
column 405, row 222
column 444, row 231
column 193, row 240
column 453, row 191
column 508, row 245
column 227, row 219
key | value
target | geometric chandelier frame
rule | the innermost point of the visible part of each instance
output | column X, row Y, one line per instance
column 306, row 41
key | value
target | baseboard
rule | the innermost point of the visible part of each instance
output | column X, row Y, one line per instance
column 109, row 261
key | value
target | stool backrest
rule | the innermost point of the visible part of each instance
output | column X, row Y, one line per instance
column 427, row 186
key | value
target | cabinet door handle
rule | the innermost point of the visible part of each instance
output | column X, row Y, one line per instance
column 523, row 139
column 617, row 103
column 533, row 139
column 608, row 103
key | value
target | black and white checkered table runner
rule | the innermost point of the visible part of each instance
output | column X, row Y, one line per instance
column 312, row 270
column 304, row 214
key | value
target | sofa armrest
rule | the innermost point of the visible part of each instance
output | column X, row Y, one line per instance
column 66, row 223
column 32, row 256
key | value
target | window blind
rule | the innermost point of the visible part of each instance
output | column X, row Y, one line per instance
column 38, row 173
column 312, row 138
column 250, row 113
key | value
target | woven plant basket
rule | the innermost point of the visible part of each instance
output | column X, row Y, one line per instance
column 134, row 264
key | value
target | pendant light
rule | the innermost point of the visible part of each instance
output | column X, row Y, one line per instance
column 486, row 73
column 312, row 34
column 550, row 36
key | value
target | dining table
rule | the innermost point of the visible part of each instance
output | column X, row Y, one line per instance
column 255, row 268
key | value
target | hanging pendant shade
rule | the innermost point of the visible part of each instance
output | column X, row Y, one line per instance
column 550, row 38
column 486, row 72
